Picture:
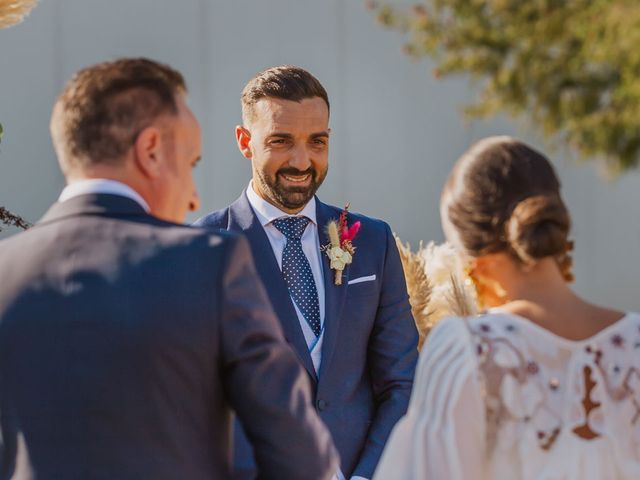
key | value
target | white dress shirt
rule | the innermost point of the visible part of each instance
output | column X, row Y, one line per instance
column 266, row 214
column 101, row 185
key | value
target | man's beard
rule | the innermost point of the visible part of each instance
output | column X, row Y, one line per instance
column 291, row 198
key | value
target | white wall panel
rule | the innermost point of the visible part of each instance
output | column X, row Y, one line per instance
column 396, row 130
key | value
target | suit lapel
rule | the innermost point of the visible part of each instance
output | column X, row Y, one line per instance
column 334, row 295
column 243, row 219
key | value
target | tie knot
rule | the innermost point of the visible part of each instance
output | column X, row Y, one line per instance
column 291, row 227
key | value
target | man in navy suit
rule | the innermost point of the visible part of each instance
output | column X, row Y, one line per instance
column 356, row 340
column 126, row 337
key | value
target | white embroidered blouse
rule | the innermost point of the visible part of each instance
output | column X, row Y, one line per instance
column 498, row 397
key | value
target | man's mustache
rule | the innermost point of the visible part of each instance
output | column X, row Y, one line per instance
column 295, row 172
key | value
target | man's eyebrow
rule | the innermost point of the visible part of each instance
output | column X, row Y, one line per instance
column 324, row 133
column 280, row 135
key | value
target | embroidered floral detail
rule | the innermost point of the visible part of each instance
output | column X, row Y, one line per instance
column 547, row 439
column 520, row 388
column 595, row 351
column 482, row 349
column 617, row 340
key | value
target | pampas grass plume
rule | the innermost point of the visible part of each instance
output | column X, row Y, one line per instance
column 418, row 287
column 332, row 232
column 437, row 284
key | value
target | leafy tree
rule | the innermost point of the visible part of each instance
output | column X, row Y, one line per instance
column 571, row 67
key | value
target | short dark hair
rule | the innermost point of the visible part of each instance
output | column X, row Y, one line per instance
column 286, row 82
column 103, row 108
column 504, row 196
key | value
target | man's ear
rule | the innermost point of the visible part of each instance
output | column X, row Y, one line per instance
column 243, row 137
column 148, row 152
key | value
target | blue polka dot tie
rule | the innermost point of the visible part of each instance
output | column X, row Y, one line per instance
column 297, row 271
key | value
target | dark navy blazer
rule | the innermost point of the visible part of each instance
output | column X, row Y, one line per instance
column 126, row 340
column 369, row 351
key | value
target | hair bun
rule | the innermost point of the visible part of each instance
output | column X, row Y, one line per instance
column 538, row 228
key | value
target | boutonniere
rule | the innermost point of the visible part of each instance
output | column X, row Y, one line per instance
column 340, row 249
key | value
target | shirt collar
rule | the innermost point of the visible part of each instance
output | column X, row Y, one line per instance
column 102, row 185
column 267, row 213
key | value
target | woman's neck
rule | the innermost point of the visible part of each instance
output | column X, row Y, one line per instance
column 542, row 295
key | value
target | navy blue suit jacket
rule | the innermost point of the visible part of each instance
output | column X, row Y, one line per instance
column 125, row 341
column 369, row 351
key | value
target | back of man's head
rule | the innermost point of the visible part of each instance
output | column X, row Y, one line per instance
column 103, row 108
column 285, row 82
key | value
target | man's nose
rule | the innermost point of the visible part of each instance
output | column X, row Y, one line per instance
column 300, row 158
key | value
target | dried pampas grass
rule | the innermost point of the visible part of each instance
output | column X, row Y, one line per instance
column 12, row 220
column 437, row 284
column 461, row 299
column 418, row 287
column 13, row 12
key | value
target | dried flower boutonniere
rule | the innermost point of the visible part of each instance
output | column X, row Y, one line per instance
column 340, row 249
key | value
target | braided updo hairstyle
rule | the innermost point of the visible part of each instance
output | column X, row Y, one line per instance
column 503, row 196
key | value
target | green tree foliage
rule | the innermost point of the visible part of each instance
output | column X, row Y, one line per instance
column 570, row 66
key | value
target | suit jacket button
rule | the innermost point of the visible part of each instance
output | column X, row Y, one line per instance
column 322, row 404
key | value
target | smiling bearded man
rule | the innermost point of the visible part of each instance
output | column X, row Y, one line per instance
column 275, row 127
column 355, row 337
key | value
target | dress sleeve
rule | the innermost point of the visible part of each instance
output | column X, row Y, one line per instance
column 442, row 436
